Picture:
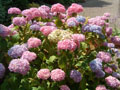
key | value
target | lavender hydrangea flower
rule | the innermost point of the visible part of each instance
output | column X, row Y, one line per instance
column 19, row 66
column 64, row 87
column 17, row 50
column 35, row 27
column 92, row 28
column 100, row 74
column 115, row 50
column 96, row 29
column 96, row 65
column 110, row 45
column 75, row 75
column 118, row 54
column 115, row 74
column 104, row 56
column 71, row 24
column 113, row 66
column 4, row 31
column 2, row 70
column 80, row 19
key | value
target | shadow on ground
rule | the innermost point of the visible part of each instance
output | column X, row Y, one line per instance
column 95, row 3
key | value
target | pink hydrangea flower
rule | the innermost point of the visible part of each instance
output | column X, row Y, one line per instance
column 28, row 14
column 107, row 14
column 108, row 70
column 46, row 8
column 14, row 10
column 67, row 45
column 64, row 87
column 38, row 12
column 116, row 40
column 108, row 31
column 30, row 56
column 43, row 13
column 77, row 38
column 19, row 66
column 20, row 21
column 33, row 42
column 4, row 31
column 101, row 87
column 35, row 12
column 2, row 70
column 104, row 56
column 46, row 30
column 62, row 16
column 58, row 8
column 74, row 8
column 112, row 82
column 96, row 21
column 57, row 75
column 104, row 17
column 43, row 74
column 12, row 30
column 72, row 19
column 107, row 24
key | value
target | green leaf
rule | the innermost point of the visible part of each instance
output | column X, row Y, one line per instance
column 34, row 88
column 51, row 59
column 16, row 37
column 62, row 63
column 58, row 22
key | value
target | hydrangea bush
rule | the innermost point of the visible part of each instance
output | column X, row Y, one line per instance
column 58, row 49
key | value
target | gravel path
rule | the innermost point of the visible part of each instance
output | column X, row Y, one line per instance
column 94, row 8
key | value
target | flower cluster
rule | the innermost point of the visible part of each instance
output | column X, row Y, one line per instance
column 66, row 45
column 33, row 42
column 76, row 76
column 74, row 9
column 2, row 70
column 57, row 75
column 14, row 10
column 101, row 87
column 17, row 50
column 104, row 56
column 58, row 35
column 46, row 30
column 99, row 20
column 116, row 40
column 112, row 82
column 43, row 74
column 19, row 66
column 4, row 31
column 77, row 38
column 81, row 19
column 57, row 48
column 72, row 22
column 30, row 56
column 58, row 8
column 19, row 21
column 35, row 27
column 92, row 28
column 96, row 66
column 64, row 87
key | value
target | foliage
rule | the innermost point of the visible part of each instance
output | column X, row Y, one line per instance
column 70, row 43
